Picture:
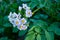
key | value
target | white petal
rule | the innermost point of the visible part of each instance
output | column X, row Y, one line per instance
column 20, row 8
column 22, row 27
column 24, row 6
column 28, row 13
column 14, row 25
column 19, row 16
column 27, row 8
column 11, row 21
column 9, row 16
column 14, row 15
column 17, row 22
column 23, row 20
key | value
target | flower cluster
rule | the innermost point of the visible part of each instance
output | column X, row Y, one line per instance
column 17, row 20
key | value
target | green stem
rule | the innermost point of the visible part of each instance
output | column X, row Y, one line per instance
column 35, row 11
column 38, row 8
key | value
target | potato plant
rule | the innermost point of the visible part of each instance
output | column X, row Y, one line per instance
column 29, row 19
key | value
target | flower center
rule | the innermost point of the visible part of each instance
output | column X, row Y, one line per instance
column 21, row 26
column 17, row 22
column 28, row 12
column 23, row 21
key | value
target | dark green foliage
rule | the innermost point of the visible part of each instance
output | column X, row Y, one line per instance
column 22, row 32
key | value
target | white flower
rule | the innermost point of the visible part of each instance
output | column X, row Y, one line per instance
column 19, row 16
column 25, row 6
column 14, row 15
column 10, row 15
column 28, row 13
column 17, row 22
column 14, row 18
column 11, row 19
column 23, row 21
column 12, row 22
column 20, row 8
column 22, row 27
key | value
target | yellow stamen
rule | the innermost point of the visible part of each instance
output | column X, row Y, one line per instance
column 20, row 26
column 23, row 21
column 17, row 22
column 28, row 12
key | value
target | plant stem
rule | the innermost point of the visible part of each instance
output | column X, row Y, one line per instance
column 35, row 11
column 38, row 8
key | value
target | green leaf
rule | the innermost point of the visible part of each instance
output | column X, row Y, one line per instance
column 43, row 37
column 40, row 23
column 2, row 8
column 38, row 37
column 40, row 16
column 55, row 28
column 6, row 18
column 49, row 36
column 34, row 1
column 57, row 1
column 22, row 32
column 43, row 16
column 29, row 33
column 38, row 29
column 1, row 30
column 14, row 5
column 52, row 35
column 3, row 38
column 42, row 32
column 58, row 16
column 42, row 3
column 56, row 31
column 32, row 28
column 51, row 28
column 1, row 20
column 32, row 5
column 37, row 16
column 30, row 37
column 25, row 0
column 15, row 29
column 7, row 25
